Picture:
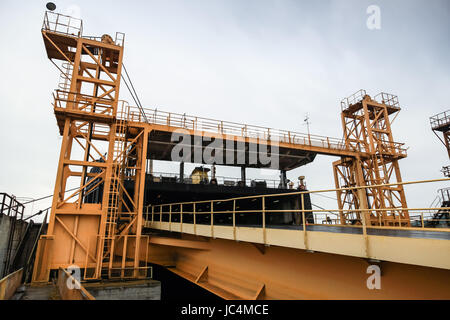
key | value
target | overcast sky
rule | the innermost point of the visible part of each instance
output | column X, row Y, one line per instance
column 260, row 62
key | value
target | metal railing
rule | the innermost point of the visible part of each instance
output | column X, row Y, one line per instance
column 223, row 128
column 221, row 180
column 356, row 97
column 119, row 39
column 208, row 211
column 91, row 104
column 387, row 99
column 84, row 102
column 444, row 194
column 188, row 122
column 60, row 23
column 383, row 98
column 446, row 171
column 10, row 206
column 441, row 119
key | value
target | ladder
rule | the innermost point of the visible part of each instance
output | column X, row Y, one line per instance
column 65, row 77
column 114, row 196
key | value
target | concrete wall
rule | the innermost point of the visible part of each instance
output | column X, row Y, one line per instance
column 126, row 290
column 5, row 224
column 9, row 284
column 5, row 229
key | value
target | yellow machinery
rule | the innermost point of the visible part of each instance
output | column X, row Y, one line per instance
column 199, row 175
column 106, row 240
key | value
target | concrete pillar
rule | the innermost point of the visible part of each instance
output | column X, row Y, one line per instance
column 283, row 181
column 131, row 290
column 181, row 172
column 150, row 162
column 5, row 228
column 243, row 177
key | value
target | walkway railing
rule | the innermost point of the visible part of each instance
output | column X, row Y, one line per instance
column 188, row 122
column 388, row 99
column 441, row 119
column 228, row 213
column 60, row 23
column 220, row 127
column 10, row 206
column 221, row 180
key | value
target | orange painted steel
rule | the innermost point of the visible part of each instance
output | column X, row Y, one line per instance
column 243, row 270
column 367, row 128
column 88, row 113
column 78, row 292
column 105, row 239
column 441, row 123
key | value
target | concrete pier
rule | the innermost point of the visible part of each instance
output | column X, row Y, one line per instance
column 6, row 223
column 125, row 290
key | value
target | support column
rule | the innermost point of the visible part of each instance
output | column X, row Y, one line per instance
column 181, row 172
column 243, row 177
column 140, row 206
column 283, row 181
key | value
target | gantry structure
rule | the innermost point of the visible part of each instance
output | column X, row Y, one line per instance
column 440, row 123
column 367, row 131
column 89, row 114
column 106, row 239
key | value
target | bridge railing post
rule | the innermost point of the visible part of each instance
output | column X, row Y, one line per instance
column 153, row 214
column 302, row 196
column 181, row 218
column 146, row 213
column 234, row 219
column 212, row 219
column 264, row 218
column 170, row 218
column 195, row 220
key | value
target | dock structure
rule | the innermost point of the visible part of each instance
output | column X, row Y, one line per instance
column 119, row 236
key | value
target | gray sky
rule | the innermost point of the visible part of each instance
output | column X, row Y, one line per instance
column 260, row 62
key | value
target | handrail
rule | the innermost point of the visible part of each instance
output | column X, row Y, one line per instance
column 64, row 24
column 83, row 102
column 353, row 99
column 440, row 119
column 13, row 209
column 220, row 127
column 325, row 190
column 272, row 183
column 346, row 216
column 387, row 99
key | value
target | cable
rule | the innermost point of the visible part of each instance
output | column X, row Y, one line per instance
column 131, row 83
column 323, row 208
column 34, row 200
column 42, row 211
column 129, row 90
column 324, row 196
column 135, row 100
column 36, row 214
column 134, row 96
